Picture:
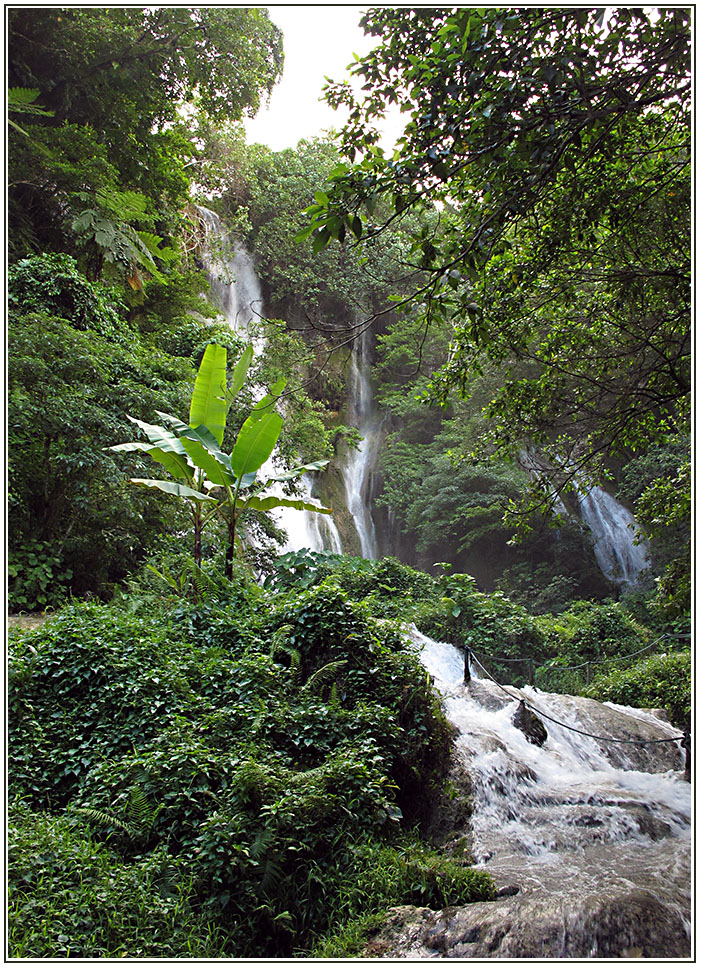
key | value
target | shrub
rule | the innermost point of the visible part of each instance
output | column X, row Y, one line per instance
column 246, row 749
column 658, row 682
column 93, row 683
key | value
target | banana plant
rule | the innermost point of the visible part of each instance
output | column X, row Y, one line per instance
column 212, row 481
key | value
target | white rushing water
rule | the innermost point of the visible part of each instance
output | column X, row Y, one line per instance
column 578, row 817
column 238, row 293
column 613, row 530
column 359, row 464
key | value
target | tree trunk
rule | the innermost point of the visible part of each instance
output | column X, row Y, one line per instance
column 230, row 548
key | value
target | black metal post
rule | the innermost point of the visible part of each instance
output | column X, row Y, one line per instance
column 686, row 746
column 467, row 676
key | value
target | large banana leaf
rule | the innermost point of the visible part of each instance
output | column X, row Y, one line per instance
column 175, row 464
column 266, row 404
column 198, row 444
column 174, row 422
column 238, row 377
column 160, row 436
column 208, row 405
column 255, row 442
column 269, row 503
column 170, row 487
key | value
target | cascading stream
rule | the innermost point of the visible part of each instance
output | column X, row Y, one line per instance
column 577, row 823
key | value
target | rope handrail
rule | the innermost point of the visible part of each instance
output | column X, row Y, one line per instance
column 574, row 729
column 616, row 658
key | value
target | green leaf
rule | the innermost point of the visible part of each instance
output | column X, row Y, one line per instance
column 317, row 465
column 211, row 460
column 267, row 402
column 159, row 436
column 175, row 422
column 320, row 240
column 208, row 405
column 271, row 502
column 170, row 487
column 255, row 442
column 238, row 377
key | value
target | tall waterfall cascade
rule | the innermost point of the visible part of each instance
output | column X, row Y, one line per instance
column 358, row 468
column 237, row 291
column 584, row 833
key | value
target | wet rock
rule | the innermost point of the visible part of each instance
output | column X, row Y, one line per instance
column 610, row 926
column 530, row 725
column 508, row 890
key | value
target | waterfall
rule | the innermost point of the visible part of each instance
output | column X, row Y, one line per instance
column 317, row 532
column 237, row 292
column 577, row 824
column 613, row 529
column 358, row 467
column 233, row 280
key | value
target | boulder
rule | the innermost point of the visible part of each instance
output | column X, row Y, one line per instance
column 530, row 725
column 615, row 925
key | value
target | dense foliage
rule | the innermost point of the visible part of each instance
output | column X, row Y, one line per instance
column 251, row 755
column 237, row 757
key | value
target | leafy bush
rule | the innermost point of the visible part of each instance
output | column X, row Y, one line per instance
column 592, row 630
column 247, row 743
column 91, row 684
column 658, row 682
column 52, row 284
column 37, row 577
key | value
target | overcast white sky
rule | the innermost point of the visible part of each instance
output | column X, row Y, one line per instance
column 319, row 42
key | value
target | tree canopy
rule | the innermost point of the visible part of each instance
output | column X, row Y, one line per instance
column 119, row 94
column 556, row 146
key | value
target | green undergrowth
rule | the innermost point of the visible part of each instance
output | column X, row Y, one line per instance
column 658, row 682
column 232, row 778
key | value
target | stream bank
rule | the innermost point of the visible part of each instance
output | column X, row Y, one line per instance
column 588, row 840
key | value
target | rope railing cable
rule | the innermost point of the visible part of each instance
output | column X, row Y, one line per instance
column 582, row 732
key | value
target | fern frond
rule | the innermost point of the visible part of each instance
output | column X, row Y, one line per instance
column 272, row 876
column 104, row 819
column 21, row 100
column 326, row 674
column 141, row 816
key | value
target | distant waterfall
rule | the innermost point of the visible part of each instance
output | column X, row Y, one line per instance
column 358, row 468
column 621, row 555
column 237, row 291
column 613, row 530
